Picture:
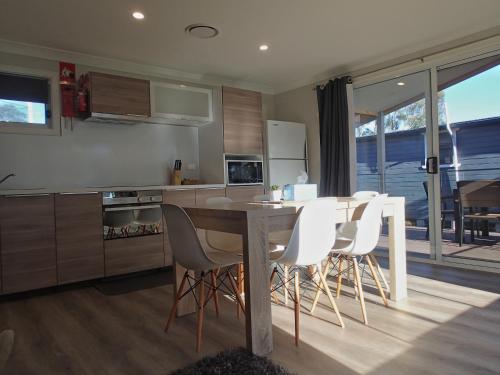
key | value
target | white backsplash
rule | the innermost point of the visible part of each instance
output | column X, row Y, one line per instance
column 96, row 154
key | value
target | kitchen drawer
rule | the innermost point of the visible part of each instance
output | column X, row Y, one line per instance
column 244, row 193
column 133, row 254
column 203, row 194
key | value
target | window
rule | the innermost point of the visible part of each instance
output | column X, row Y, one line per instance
column 26, row 101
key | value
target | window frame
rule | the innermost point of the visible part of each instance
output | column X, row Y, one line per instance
column 53, row 127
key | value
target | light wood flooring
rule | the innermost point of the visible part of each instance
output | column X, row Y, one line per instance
column 450, row 324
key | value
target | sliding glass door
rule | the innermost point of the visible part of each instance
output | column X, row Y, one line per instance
column 469, row 130
column 393, row 140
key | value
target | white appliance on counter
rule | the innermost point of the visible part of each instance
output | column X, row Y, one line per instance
column 286, row 152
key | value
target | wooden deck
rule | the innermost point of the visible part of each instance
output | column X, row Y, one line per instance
column 483, row 248
column 448, row 325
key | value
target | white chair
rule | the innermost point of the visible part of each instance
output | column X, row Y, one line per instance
column 118, row 219
column 348, row 230
column 311, row 242
column 364, row 240
column 190, row 254
column 148, row 217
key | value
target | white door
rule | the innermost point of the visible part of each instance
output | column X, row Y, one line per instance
column 282, row 172
column 286, row 140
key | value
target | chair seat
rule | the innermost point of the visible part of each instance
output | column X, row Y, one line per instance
column 223, row 258
column 343, row 245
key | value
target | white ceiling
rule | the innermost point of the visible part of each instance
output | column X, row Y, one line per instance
column 308, row 38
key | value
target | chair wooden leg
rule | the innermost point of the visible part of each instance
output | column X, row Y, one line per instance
column 377, row 281
column 201, row 299
column 213, row 276
column 235, row 290
column 297, row 307
column 238, row 284
column 339, row 277
column 271, row 281
column 379, row 270
column 285, row 276
column 330, row 297
column 173, row 310
column 359, row 287
column 318, row 289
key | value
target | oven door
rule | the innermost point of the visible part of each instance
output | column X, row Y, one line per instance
column 132, row 221
column 244, row 172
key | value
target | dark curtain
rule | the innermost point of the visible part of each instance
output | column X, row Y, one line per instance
column 334, row 138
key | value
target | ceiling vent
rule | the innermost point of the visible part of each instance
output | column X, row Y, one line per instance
column 202, row 31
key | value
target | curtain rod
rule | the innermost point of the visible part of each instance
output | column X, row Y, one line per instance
column 349, row 81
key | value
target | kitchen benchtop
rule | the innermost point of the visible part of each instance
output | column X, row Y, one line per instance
column 83, row 190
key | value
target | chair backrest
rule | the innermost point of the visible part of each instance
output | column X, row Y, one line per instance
column 118, row 219
column 184, row 240
column 313, row 234
column 220, row 240
column 485, row 193
column 368, row 226
column 365, row 194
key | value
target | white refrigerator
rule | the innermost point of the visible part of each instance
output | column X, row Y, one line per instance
column 286, row 152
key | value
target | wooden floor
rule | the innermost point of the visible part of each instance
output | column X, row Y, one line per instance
column 450, row 324
column 483, row 248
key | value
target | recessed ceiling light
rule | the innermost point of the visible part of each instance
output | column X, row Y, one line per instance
column 263, row 47
column 202, row 31
column 182, row 86
column 138, row 15
column 401, row 83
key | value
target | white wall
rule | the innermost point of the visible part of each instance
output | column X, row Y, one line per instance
column 300, row 105
column 95, row 154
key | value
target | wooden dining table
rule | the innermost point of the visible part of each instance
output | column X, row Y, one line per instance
column 254, row 221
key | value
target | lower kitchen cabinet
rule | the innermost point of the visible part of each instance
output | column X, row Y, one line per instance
column 244, row 193
column 132, row 254
column 178, row 197
column 79, row 236
column 27, row 242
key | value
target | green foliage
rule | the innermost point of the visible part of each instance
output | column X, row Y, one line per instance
column 275, row 187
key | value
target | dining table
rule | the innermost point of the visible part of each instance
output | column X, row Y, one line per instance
column 254, row 221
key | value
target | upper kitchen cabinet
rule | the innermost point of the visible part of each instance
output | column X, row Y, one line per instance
column 180, row 104
column 117, row 95
column 243, row 122
column 27, row 242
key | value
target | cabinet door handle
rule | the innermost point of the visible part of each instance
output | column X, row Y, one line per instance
column 82, row 193
column 27, row 195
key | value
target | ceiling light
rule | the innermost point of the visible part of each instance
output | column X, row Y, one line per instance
column 202, row 31
column 138, row 15
column 182, row 86
column 401, row 83
column 263, row 47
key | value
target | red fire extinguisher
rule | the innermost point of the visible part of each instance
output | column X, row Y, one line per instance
column 67, row 83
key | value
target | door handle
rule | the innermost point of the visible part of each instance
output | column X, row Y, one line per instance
column 431, row 165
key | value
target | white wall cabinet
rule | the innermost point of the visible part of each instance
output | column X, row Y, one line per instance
column 180, row 104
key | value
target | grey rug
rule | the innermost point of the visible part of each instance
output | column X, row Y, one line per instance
column 235, row 361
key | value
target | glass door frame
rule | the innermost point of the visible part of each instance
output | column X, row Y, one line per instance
column 432, row 142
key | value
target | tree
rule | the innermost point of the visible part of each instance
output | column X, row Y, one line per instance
column 12, row 112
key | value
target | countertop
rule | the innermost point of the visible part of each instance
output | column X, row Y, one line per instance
column 93, row 189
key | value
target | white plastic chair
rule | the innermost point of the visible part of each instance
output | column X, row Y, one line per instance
column 311, row 242
column 190, row 254
column 364, row 240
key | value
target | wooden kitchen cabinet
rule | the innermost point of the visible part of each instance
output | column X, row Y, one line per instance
column 178, row 197
column 203, row 194
column 243, row 123
column 118, row 95
column 27, row 242
column 133, row 254
column 244, row 193
column 79, row 237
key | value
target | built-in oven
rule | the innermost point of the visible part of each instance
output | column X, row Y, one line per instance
column 131, row 213
column 244, row 170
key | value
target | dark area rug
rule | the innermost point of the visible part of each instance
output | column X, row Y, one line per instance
column 235, row 361
column 131, row 283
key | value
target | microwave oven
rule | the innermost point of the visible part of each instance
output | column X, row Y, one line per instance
column 244, row 172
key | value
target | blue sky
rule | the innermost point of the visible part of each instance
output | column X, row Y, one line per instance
column 475, row 98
